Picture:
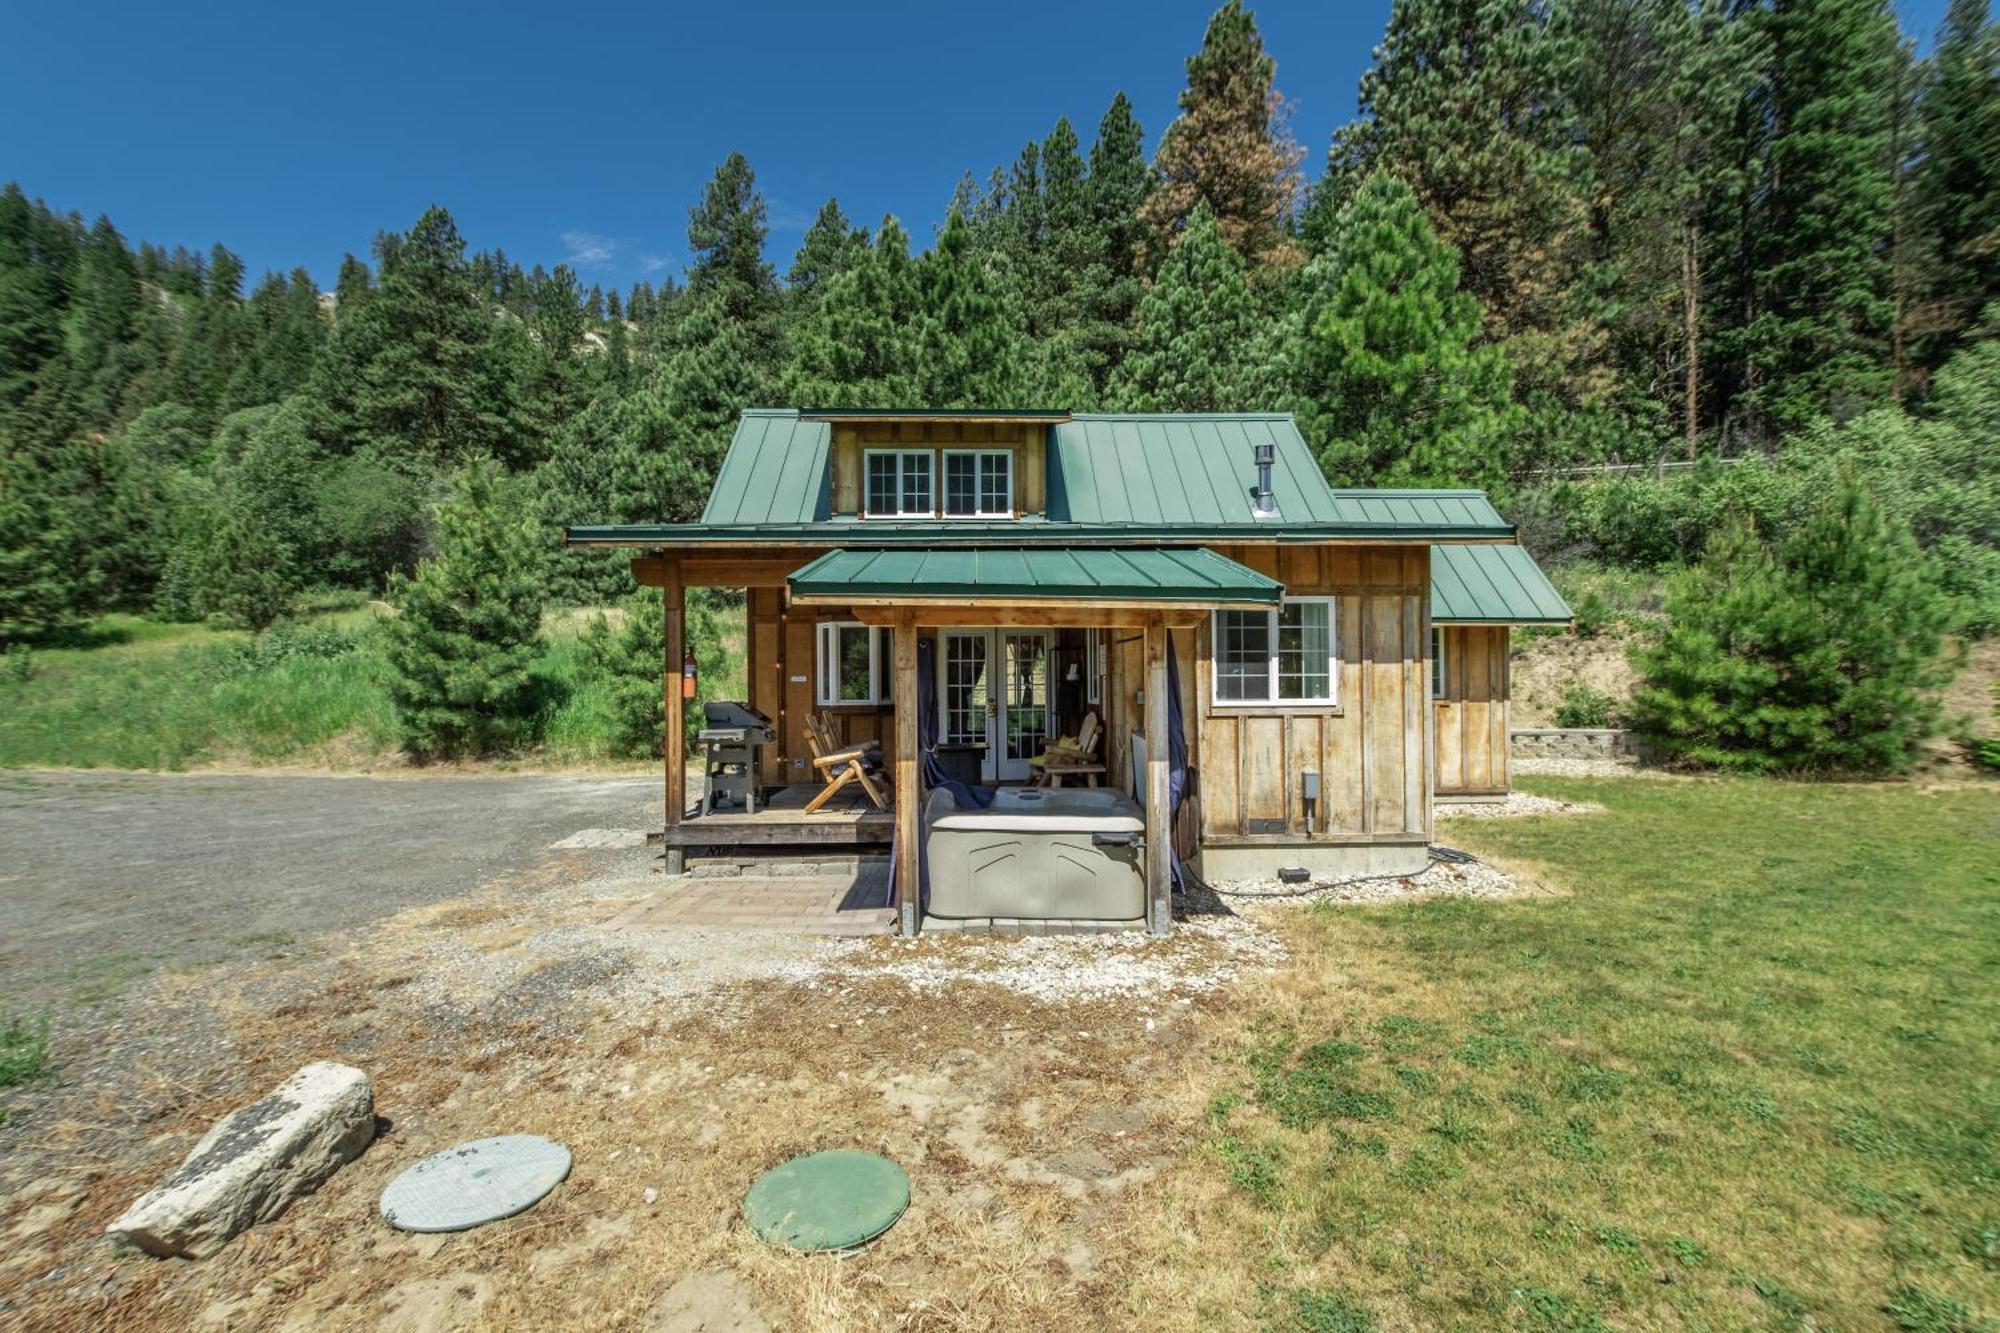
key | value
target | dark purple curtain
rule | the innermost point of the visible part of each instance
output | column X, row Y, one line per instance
column 1177, row 752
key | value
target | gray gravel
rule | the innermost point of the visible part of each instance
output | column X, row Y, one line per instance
column 105, row 876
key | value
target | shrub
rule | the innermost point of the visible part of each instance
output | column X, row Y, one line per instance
column 1985, row 750
column 1582, row 706
column 1822, row 653
column 627, row 661
column 462, row 647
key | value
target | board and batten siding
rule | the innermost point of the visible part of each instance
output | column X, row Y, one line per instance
column 1371, row 748
column 1472, row 712
column 1028, row 444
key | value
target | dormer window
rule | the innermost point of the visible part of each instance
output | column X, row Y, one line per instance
column 904, row 483
column 899, row 483
column 978, row 483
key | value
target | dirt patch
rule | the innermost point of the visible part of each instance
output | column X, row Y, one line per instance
column 1032, row 1088
column 1547, row 664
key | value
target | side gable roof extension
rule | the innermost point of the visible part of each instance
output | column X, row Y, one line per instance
column 1492, row 585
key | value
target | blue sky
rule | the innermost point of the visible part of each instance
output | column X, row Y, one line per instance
column 293, row 133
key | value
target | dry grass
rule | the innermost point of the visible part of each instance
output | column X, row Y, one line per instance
column 1739, row 1077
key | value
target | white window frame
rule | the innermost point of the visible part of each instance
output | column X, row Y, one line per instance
column 1272, row 701
column 1093, row 666
column 979, row 456
column 902, row 457
column 826, row 664
column 1437, row 661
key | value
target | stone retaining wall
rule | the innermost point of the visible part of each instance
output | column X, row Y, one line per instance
column 1575, row 743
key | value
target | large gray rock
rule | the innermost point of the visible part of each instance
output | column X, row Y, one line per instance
column 256, row 1160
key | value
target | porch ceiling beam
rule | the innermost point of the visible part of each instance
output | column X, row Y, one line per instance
column 717, row 570
column 1079, row 616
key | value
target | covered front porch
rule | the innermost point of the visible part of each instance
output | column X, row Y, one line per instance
column 922, row 617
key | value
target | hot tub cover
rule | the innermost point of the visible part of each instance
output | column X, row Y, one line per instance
column 1054, row 810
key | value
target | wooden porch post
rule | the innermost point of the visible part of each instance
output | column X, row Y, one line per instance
column 909, row 910
column 1159, row 831
column 674, row 743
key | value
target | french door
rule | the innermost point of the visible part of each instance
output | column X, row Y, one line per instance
column 993, row 691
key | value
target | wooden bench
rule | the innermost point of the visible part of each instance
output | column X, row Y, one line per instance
column 1083, row 759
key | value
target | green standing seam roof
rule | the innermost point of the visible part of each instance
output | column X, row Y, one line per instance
column 775, row 471
column 1031, row 574
column 1490, row 584
column 1136, row 476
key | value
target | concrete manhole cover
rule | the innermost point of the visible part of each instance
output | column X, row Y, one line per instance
column 827, row 1201
column 473, row 1183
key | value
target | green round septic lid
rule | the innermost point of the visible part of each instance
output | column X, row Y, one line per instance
column 827, row 1200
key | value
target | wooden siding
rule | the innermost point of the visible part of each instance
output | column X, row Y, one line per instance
column 1028, row 443
column 1370, row 748
column 1472, row 713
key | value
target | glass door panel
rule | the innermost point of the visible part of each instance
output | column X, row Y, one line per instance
column 1024, row 663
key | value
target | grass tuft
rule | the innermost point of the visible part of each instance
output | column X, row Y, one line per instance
column 24, row 1047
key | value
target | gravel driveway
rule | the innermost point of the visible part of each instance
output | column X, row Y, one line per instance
column 105, row 876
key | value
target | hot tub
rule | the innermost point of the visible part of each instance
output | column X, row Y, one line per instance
column 1038, row 854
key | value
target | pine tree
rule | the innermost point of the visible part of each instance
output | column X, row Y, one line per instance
column 858, row 346
column 1464, row 104
column 32, row 262
column 1824, row 652
column 830, row 247
column 1956, row 190
column 968, row 351
column 107, row 302
column 1228, row 148
column 1391, row 385
column 1819, row 340
column 462, row 645
column 1196, row 331
column 216, row 336
column 726, row 233
column 410, row 375
column 44, row 587
column 1108, row 289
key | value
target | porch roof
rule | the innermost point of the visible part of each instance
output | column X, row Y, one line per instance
column 1084, row 576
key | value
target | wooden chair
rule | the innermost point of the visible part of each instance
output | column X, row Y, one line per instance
column 837, row 764
column 829, row 729
column 1083, row 759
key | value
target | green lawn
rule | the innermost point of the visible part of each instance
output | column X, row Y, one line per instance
column 143, row 694
column 1744, row 1072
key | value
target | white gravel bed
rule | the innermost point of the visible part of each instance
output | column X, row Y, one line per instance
column 1586, row 768
column 1443, row 879
column 1200, row 955
column 1516, row 803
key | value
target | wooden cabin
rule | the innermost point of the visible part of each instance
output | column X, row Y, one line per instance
column 1479, row 592
column 1054, row 562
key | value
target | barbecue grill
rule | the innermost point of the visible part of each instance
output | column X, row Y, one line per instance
column 733, row 737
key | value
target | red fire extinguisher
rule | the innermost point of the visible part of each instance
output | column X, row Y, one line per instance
column 687, row 676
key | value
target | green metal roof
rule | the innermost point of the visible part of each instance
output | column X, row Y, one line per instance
column 1152, row 574
column 1181, row 468
column 1492, row 585
column 775, row 471
column 1183, row 478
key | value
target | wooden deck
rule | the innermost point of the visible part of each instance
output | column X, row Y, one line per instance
column 848, row 820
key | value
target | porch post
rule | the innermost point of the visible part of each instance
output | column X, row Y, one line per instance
column 673, row 743
column 1159, row 833
column 908, row 794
